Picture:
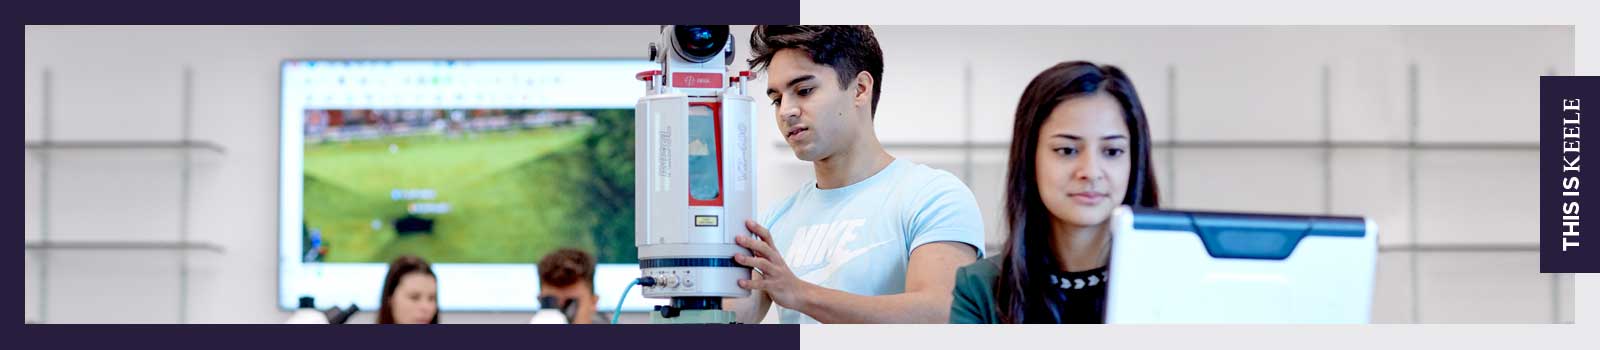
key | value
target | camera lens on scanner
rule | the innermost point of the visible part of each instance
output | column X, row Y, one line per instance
column 700, row 44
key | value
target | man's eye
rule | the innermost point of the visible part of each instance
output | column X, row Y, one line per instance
column 775, row 101
column 805, row 91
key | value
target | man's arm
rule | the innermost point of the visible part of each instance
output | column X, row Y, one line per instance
column 930, row 276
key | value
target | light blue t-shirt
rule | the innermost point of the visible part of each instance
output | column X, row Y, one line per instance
column 859, row 238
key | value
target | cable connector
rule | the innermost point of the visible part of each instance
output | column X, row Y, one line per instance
column 643, row 281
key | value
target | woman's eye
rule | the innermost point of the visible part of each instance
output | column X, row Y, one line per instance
column 1115, row 152
column 1066, row 151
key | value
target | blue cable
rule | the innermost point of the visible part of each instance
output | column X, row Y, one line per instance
column 616, row 315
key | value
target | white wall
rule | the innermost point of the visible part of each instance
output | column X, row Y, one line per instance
column 1231, row 84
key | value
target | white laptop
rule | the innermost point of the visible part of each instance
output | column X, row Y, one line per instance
column 1238, row 268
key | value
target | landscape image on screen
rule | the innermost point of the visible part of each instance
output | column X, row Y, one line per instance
column 467, row 185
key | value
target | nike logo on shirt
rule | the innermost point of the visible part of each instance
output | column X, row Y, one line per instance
column 820, row 250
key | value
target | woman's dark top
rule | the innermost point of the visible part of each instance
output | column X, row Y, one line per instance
column 1081, row 294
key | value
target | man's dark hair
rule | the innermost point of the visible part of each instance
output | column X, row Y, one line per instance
column 848, row 49
column 565, row 267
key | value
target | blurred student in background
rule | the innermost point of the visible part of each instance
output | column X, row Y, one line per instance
column 410, row 293
column 1080, row 147
column 566, row 279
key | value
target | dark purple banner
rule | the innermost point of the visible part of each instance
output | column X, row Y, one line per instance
column 1564, row 246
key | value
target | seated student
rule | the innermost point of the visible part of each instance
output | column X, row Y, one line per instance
column 410, row 293
column 1080, row 148
column 567, row 276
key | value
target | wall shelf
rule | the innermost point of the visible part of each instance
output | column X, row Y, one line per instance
column 1461, row 248
column 132, row 145
column 185, row 146
column 124, row 245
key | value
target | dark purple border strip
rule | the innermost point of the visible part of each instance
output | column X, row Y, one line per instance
column 1568, row 243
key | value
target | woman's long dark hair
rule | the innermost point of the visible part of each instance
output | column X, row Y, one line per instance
column 400, row 267
column 1019, row 290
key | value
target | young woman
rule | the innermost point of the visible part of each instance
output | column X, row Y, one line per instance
column 410, row 293
column 1079, row 149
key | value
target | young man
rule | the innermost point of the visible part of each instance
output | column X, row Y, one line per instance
column 568, row 275
column 873, row 239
